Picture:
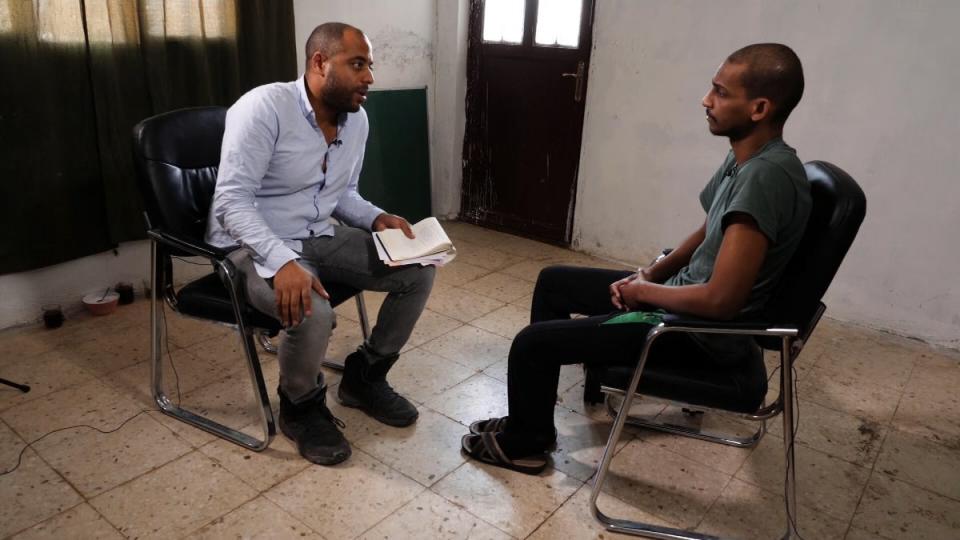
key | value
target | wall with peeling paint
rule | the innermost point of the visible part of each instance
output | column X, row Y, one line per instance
column 880, row 102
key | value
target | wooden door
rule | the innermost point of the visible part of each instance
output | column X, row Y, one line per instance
column 527, row 83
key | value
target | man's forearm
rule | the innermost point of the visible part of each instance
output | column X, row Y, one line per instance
column 676, row 259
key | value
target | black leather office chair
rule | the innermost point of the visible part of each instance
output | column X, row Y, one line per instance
column 785, row 325
column 177, row 155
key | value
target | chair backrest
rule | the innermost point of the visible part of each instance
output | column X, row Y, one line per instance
column 176, row 155
column 839, row 206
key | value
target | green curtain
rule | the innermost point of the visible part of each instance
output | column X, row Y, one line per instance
column 79, row 74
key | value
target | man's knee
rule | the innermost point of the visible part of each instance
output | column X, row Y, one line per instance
column 551, row 276
column 418, row 278
column 321, row 316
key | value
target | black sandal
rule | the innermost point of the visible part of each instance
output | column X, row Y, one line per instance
column 490, row 425
column 497, row 425
column 483, row 447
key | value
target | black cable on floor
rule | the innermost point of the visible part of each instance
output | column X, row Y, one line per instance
column 47, row 434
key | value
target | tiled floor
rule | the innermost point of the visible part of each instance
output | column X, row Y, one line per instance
column 878, row 451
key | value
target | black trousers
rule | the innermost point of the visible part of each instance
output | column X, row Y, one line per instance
column 554, row 339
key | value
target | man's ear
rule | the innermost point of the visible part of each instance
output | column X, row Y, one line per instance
column 762, row 108
column 318, row 61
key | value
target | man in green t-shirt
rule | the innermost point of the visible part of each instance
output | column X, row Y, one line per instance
column 757, row 205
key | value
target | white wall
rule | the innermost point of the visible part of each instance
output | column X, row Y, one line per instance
column 880, row 102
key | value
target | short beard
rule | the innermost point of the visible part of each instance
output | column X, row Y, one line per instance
column 337, row 96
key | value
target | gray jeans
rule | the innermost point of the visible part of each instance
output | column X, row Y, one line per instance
column 349, row 257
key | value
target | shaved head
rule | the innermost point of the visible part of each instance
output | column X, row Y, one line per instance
column 772, row 71
column 327, row 39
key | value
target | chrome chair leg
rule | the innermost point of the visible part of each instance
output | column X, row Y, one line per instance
column 175, row 410
column 655, row 423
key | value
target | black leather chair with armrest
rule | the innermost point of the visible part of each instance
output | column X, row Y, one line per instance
column 785, row 325
column 177, row 155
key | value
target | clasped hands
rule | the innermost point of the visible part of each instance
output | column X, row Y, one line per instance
column 293, row 283
column 624, row 292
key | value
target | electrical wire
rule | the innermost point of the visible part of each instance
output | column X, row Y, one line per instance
column 47, row 434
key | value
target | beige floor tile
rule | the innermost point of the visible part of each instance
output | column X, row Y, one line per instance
column 828, row 484
column 32, row 492
column 839, row 434
column 80, row 522
column 458, row 273
column 430, row 326
column 524, row 302
column 720, row 457
column 138, row 447
column 504, row 322
column 460, row 231
column 572, row 399
column 173, row 500
column 913, row 459
column 526, row 269
column 664, row 483
column 513, row 502
column 484, row 257
column 420, row 375
column 748, row 512
column 461, row 304
column 19, row 344
column 869, row 359
column 899, row 510
column 184, row 331
column 262, row 470
column 179, row 368
column 930, row 405
column 93, row 403
column 329, row 499
column 478, row 398
column 345, row 339
column 580, row 443
column 500, row 286
column 257, row 519
column 530, row 249
column 851, row 395
column 471, row 347
column 44, row 373
column 231, row 402
column 109, row 352
column 860, row 534
column 426, row 451
column 431, row 516
column 575, row 520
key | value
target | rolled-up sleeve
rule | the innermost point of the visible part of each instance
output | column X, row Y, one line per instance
column 248, row 143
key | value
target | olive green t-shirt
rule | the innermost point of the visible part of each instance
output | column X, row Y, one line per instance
column 772, row 188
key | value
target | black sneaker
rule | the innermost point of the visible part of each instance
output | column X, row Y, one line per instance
column 364, row 386
column 313, row 427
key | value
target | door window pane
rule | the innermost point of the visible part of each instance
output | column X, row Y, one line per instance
column 503, row 21
column 558, row 22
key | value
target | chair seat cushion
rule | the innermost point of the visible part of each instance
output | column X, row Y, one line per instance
column 695, row 381
column 207, row 298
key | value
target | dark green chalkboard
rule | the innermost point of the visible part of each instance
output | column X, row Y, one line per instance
column 396, row 166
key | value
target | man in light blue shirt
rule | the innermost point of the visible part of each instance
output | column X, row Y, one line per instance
column 291, row 159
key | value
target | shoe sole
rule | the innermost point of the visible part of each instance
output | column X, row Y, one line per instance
column 319, row 460
column 353, row 403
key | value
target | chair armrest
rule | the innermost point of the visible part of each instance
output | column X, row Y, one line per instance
column 683, row 323
column 192, row 247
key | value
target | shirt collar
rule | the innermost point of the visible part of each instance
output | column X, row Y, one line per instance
column 307, row 108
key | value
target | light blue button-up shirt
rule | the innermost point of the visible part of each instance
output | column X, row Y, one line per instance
column 271, row 189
